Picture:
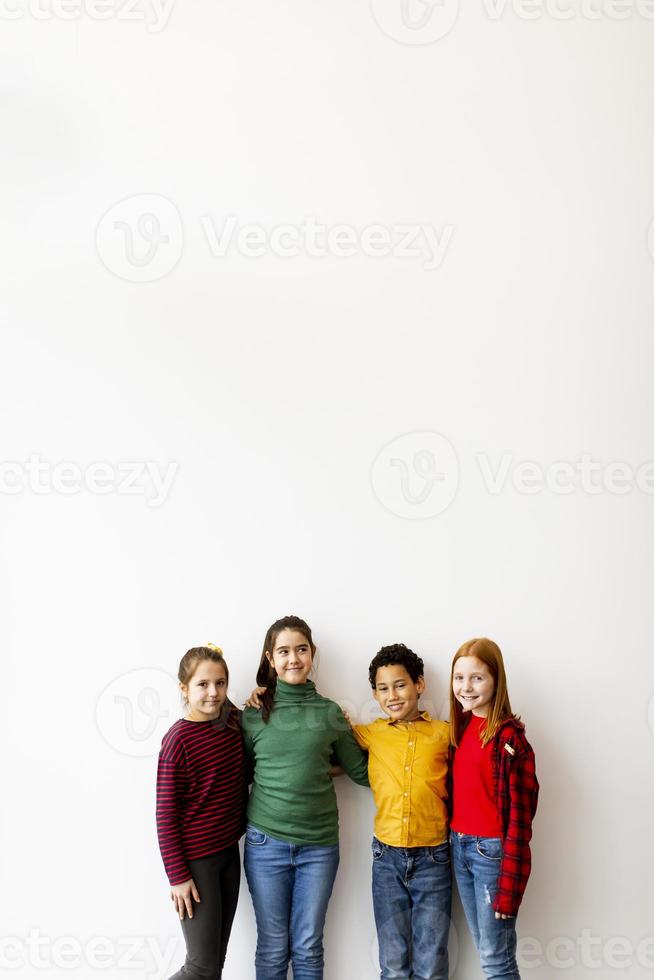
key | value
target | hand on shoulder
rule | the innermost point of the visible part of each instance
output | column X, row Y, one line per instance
column 254, row 701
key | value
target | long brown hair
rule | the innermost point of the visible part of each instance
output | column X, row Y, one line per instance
column 266, row 674
column 229, row 715
column 500, row 708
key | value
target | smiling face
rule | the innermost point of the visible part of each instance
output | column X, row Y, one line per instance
column 473, row 685
column 206, row 691
column 396, row 693
column 292, row 657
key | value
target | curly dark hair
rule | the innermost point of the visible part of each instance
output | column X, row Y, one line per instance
column 396, row 653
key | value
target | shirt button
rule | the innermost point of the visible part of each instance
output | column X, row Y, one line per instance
column 406, row 767
column 406, row 794
column 405, row 819
column 410, row 743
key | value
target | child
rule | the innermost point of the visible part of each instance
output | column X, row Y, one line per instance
column 411, row 877
column 291, row 843
column 495, row 797
column 201, row 794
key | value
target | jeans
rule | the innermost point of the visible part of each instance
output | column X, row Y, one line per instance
column 476, row 863
column 217, row 879
column 290, row 885
column 412, row 899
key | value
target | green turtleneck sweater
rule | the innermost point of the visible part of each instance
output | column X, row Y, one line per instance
column 293, row 797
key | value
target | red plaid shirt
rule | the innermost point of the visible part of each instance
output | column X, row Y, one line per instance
column 516, row 791
column 516, row 794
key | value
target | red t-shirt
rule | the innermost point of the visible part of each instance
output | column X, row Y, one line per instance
column 475, row 806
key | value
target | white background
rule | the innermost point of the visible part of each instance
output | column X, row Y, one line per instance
column 272, row 384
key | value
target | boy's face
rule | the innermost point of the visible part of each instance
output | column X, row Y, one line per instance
column 397, row 694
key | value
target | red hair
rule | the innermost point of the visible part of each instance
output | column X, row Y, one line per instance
column 500, row 708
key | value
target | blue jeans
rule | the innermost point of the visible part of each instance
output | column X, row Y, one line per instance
column 476, row 863
column 412, row 899
column 290, row 885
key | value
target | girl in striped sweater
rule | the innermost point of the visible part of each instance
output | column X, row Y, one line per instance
column 201, row 797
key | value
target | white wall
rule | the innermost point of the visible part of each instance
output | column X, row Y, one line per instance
column 272, row 383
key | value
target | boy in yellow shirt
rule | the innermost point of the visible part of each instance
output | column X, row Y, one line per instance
column 407, row 769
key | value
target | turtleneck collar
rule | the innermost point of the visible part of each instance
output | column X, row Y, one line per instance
column 293, row 693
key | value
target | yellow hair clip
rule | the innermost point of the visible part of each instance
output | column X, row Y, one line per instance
column 212, row 646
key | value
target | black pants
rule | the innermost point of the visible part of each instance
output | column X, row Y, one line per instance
column 217, row 879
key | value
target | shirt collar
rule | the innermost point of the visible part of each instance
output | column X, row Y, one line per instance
column 423, row 716
column 293, row 693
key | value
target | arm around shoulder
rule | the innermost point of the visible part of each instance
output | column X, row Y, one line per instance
column 348, row 754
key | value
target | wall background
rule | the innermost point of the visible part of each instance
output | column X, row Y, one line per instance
column 270, row 384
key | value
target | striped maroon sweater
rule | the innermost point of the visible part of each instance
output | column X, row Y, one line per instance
column 201, row 793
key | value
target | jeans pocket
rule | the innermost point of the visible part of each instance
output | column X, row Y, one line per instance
column 440, row 854
column 490, row 848
column 255, row 837
column 377, row 849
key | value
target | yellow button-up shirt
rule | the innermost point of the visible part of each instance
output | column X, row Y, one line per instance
column 407, row 769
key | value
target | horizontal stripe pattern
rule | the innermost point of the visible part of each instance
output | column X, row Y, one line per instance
column 201, row 793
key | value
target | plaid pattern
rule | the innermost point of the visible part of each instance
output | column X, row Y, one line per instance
column 516, row 791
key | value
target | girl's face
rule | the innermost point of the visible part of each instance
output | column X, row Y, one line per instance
column 206, row 691
column 473, row 685
column 292, row 657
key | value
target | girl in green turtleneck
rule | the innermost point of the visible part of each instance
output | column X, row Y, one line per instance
column 291, row 844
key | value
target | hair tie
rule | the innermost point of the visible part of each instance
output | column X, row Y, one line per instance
column 212, row 646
